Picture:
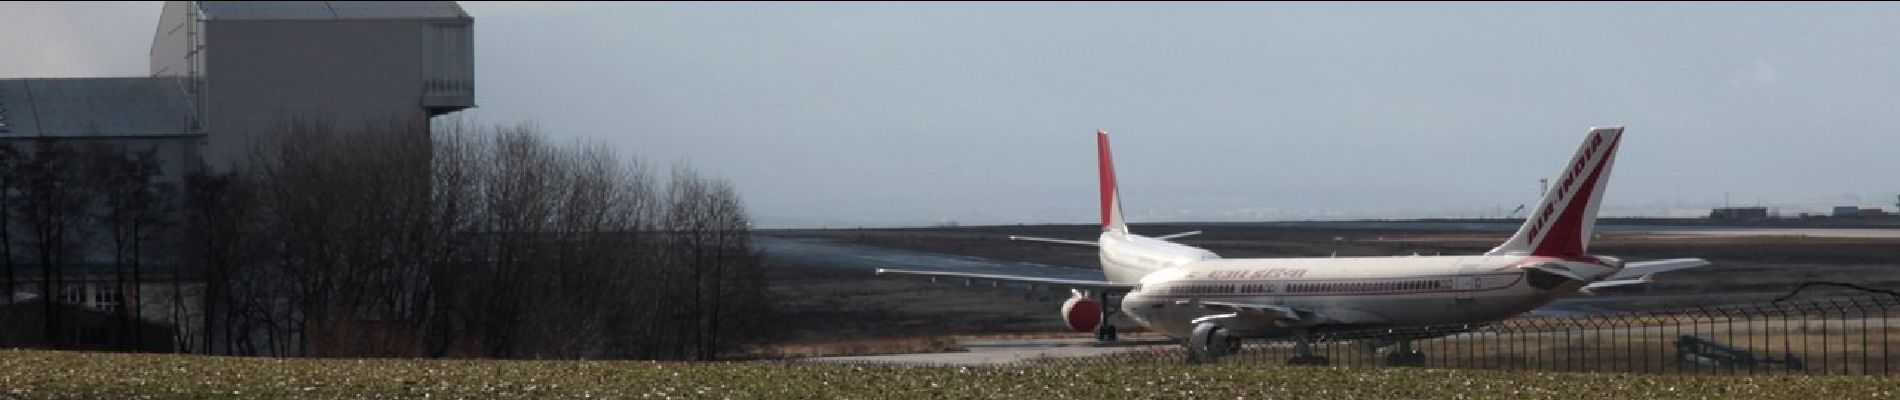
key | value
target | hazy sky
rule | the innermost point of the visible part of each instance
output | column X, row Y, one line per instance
column 882, row 114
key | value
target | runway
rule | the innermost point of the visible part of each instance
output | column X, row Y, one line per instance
column 826, row 253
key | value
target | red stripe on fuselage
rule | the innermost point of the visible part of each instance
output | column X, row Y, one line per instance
column 1516, row 278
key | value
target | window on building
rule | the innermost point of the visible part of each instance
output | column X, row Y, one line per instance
column 74, row 294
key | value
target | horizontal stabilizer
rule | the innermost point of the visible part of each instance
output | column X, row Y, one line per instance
column 1643, row 273
column 1592, row 288
column 1173, row 236
column 1054, row 240
column 1639, row 269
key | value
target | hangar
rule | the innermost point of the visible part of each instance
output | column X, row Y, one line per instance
column 223, row 75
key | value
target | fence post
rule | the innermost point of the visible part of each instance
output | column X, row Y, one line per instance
column 1676, row 325
column 1885, row 355
column 1788, row 335
column 1860, row 313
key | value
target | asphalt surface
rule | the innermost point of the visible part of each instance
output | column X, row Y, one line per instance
column 827, row 253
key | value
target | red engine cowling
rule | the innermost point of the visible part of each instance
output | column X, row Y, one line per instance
column 1082, row 314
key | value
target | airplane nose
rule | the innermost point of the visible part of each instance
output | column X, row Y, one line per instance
column 1137, row 306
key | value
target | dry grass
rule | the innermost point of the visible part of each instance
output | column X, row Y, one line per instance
column 59, row 375
column 854, row 347
column 934, row 344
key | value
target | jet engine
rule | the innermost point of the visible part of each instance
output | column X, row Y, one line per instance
column 1083, row 314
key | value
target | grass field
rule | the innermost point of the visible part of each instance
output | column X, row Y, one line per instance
column 63, row 375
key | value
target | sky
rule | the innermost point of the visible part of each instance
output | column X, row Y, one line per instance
column 880, row 114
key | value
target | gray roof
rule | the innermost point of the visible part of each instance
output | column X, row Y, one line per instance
column 325, row 10
column 69, row 107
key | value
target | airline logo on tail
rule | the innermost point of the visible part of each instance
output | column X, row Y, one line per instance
column 1562, row 224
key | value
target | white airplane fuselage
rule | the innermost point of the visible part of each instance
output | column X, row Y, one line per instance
column 1210, row 302
column 1417, row 290
column 1129, row 258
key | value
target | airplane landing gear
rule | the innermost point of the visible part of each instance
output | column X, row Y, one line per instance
column 1209, row 343
column 1303, row 351
column 1105, row 332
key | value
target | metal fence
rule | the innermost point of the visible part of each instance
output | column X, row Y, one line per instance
column 1853, row 335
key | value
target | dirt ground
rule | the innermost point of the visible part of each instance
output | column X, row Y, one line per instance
column 845, row 312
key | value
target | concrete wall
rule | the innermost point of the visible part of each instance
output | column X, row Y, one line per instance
column 170, row 45
column 260, row 74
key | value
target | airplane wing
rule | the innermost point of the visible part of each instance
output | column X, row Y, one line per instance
column 969, row 278
column 1643, row 269
column 1248, row 314
column 1170, row 236
column 1173, row 236
column 1053, row 240
column 1276, row 313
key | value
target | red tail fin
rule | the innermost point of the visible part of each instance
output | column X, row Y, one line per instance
column 1111, row 196
column 1562, row 225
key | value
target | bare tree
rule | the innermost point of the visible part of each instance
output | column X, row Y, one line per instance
column 131, row 202
column 9, row 173
column 148, row 211
column 467, row 241
column 51, row 203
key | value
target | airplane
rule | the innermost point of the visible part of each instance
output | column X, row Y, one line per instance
column 1211, row 303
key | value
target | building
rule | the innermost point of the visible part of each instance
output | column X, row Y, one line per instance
column 225, row 72
column 1742, row 213
column 223, row 75
column 83, row 328
column 249, row 65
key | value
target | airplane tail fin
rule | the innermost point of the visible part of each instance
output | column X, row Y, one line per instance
column 1561, row 226
column 1111, row 197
